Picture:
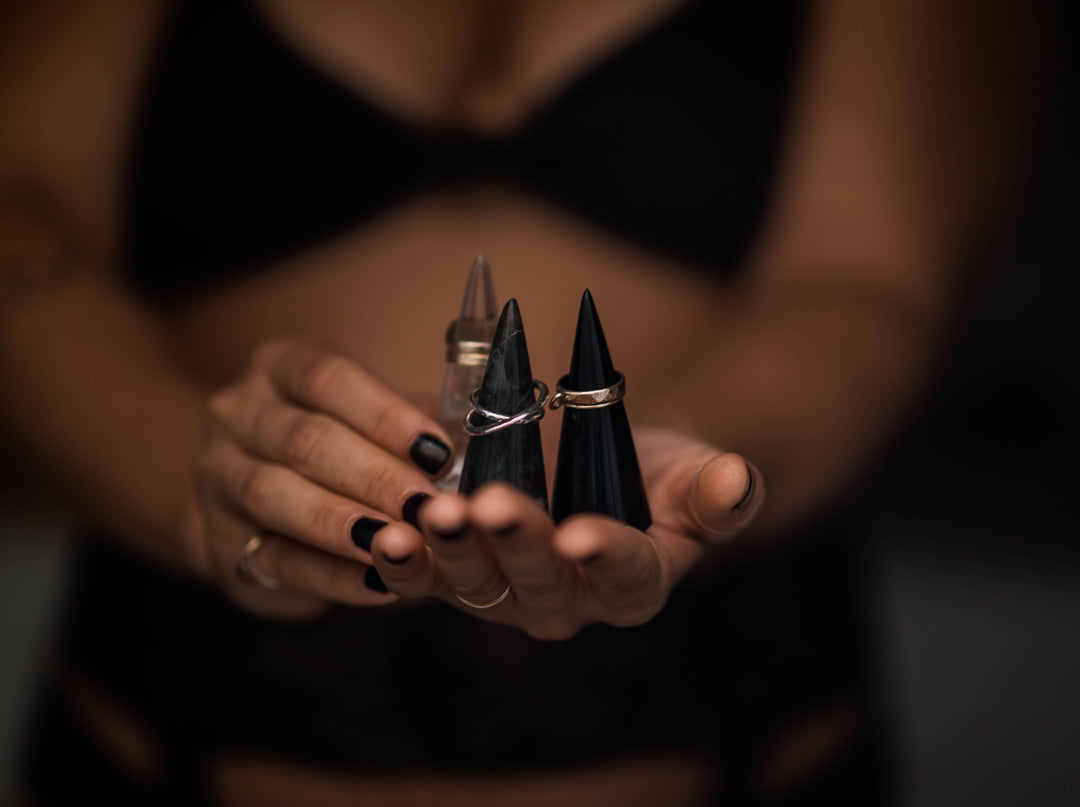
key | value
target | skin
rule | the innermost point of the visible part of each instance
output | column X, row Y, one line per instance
column 205, row 420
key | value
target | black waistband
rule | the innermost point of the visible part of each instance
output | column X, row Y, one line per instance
column 432, row 687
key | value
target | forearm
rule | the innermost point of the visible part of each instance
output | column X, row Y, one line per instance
column 95, row 404
column 907, row 153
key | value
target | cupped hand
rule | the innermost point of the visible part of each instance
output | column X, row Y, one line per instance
column 499, row 557
column 314, row 455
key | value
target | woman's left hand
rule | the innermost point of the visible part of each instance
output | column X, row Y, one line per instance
column 590, row 568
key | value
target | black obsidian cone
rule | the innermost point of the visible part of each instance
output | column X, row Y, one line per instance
column 597, row 470
column 513, row 455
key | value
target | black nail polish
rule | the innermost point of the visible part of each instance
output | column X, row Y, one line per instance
column 453, row 535
column 410, row 511
column 749, row 490
column 374, row 582
column 395, row 560
column 429, row 453
column 363, row 531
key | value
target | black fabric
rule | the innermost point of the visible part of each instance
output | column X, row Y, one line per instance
column 733, row 655
column 245, row 153
column 64, row 765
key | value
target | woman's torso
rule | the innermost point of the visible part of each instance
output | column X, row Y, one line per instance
column 287, row 182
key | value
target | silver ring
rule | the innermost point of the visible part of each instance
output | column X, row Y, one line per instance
column 589, row 398
column 247, row 569
column 482, row 605
column 468, row 353
column 531, row 413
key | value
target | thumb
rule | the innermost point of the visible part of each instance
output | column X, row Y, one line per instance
column 723, row 496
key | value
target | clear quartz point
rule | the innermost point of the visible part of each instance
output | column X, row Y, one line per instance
column 468, row 341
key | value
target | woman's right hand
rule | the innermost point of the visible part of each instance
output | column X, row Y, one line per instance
column 312, row 453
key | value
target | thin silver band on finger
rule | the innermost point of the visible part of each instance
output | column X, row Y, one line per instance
column 248, row 570
column 482, row 605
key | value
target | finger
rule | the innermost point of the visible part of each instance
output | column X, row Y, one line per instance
column 284, row 502
column 328, row 453
column 404, row 562
column 623, row 566
column 464, row 562
column 519, row 535
column 722, row 497
column 330, row 383
column 310, row 571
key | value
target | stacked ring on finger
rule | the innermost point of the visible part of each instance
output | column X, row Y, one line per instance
column 248, row 569
column 480, row 606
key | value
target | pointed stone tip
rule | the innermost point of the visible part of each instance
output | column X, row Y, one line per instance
column 587, row 309
column 507, row 384
column 510, row 318
column 590, row 364
column 479, row 300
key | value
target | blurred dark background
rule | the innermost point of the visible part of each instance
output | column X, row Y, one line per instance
column 973, row 560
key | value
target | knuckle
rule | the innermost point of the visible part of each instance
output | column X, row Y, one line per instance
column 332, row 523
column 321, row 375
column 303, row 440
column 382, row 414
column 220, row 407
column 378, row 485
column 262, row 423
column 269, row 351
column 253, row 488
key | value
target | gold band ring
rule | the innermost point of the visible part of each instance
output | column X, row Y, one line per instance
column 482, row 605
column 248, row 570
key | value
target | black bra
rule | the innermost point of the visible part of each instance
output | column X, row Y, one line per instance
column 247, row 152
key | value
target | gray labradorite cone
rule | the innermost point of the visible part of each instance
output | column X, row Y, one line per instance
column 513, row 455
column 597, row 470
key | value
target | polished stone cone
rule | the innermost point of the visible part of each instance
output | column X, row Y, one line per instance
column 597, row 469
column 513, row 455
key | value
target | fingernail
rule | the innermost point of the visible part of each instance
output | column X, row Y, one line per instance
column 410, row 511
column 749, row 489
column 374, row 582
column 363, row 531
column 395, row 560
column 429, row 453
column 453, row 535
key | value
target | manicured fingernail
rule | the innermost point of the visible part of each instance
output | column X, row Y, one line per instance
column 410, row 511
column 374, row 582
column 396, row 560
column 429, row 452
column 749, row 489
column 452, row 535
column 363, row 531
